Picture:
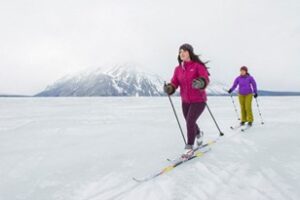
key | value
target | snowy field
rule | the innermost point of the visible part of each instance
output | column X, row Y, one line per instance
column 90, row 148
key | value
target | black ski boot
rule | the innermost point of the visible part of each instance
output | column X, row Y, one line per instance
column 199, row 139
column 249, row 123
column 242, row 123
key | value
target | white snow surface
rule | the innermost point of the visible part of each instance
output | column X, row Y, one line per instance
column 90, row 148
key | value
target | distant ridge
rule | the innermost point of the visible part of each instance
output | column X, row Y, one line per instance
column 276, row 93
column 13, row 95
column 123, row 80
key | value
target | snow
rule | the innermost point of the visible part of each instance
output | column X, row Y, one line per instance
column 90, row 148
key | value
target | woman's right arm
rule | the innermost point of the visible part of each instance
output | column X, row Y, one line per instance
column 235, row 84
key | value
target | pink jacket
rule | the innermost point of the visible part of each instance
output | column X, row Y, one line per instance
column 184, row 76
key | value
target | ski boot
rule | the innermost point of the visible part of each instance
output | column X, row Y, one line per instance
column 188, row 152
column 199, row 139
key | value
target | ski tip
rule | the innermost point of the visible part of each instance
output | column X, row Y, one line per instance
column 211, row 142
column 136, row 180
column 133, row 178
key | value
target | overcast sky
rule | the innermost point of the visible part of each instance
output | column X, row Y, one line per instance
column 40, row 41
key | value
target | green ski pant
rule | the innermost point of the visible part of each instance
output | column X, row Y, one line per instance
column 246, row 107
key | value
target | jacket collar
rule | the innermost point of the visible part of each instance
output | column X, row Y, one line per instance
column 187, row 64
column 245, row 76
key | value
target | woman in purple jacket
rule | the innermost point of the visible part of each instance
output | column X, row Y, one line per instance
column 247, row 89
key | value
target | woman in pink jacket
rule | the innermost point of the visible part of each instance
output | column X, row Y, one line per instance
column 191, row 76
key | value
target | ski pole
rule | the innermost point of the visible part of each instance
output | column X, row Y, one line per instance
column 220, row 132
column 235, row 108
column 233, row 103
column 174, row 111
column 261, row 118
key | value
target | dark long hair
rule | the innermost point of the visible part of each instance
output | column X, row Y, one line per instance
column 194, row 57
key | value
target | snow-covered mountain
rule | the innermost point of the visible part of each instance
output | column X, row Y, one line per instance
column 124, row 80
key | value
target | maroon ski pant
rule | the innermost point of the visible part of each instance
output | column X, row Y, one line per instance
column 192, row 112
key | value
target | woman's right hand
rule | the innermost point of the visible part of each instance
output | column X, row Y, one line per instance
column 169, row 89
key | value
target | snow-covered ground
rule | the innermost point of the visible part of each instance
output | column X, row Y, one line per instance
column 90, row 148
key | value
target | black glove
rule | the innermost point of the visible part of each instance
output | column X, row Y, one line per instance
column 229, row 91
column 255, row 95
column 199, row 83
column 169, row 89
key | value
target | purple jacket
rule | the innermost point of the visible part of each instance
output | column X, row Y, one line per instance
column 183, row 77
column 247, row 85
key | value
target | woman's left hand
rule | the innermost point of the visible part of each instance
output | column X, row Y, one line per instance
column 199, row 83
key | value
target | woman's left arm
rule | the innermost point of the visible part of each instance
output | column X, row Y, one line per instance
column 203, row 73
column 202, row 80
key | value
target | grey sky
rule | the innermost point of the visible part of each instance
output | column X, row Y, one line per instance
column 40, row 41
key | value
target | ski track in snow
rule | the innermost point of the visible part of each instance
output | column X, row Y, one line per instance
column 90, row 148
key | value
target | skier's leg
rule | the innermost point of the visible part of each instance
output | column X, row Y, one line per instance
column 249, row 112
column 243, row 107
column 195, row 111
column 199, row 136
column 197, row 130
column 185, row 109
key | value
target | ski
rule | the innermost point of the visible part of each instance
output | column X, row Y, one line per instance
column 236, row 127
column 196, row 149
column 171, row 167
column 246, row 128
